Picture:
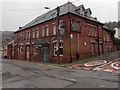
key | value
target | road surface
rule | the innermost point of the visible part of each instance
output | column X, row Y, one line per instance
column 19, row 74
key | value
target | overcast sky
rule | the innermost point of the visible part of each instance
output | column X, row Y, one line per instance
column 17, row 13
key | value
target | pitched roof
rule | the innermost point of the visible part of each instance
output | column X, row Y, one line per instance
column 5, row 43
column 53, row 14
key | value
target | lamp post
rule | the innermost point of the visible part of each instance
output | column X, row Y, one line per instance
column 58, row 34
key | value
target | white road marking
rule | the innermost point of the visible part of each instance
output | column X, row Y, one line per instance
column 102, row 66
column 73, row 80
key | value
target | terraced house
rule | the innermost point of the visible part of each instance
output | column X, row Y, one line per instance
column 79, row 34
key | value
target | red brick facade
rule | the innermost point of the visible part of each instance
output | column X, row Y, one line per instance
column 85, row 42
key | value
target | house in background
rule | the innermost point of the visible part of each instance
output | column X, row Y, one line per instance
column 8, row 48
column 117, row 33
column 80, row 33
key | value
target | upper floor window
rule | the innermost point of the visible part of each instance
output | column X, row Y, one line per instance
column 23, row 35
column 104, row 38
column 92, row 30
column 100, row 32
column 89, row 30
column 107, row 37
column 37, row 32
column 33, row 33
column 26, row 34
column 29, row 34
column 95, row 31
column 47, row 30
column 54, row 29
column 43, row 32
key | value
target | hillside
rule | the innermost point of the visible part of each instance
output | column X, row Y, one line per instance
column 6, row 34
column 111, row 25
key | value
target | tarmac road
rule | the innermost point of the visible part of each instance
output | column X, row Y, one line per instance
column 17, row 74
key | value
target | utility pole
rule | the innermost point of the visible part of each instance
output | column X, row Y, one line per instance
column 58, row 36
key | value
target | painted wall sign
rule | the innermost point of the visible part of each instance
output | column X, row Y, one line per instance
column 75, row 26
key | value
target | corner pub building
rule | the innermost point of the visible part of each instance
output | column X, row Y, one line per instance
column 80, row 33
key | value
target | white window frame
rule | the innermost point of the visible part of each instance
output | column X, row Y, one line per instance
column 43, row 31
column 89, row 29
column 95, row 32
column 100, row 47
column 29, row 34
column 54, row 29
column 47, row 30
column 93, row 47
column 23, row 35
column 26, row 34
column 55, row 47
column 34, row 50
column 37, row 32
column 21, row 48
column 33, row 33
column 107, row 37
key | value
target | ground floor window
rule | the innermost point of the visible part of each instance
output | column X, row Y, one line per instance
column 93, row 47
column 106, row 48
column 100, row 47
column 21, row 48
column 35, row 50
column 110, row 48
column 56, row 48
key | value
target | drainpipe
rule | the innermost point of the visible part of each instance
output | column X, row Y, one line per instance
column 30, row 48
column 98, row 42
column 70, row 39
column 58, row 36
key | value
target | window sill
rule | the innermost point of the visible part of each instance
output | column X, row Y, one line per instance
column 56, row 55
column 35, row 53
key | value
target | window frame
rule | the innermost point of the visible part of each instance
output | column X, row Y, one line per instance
column 43, row 31
column 93, row 47
column 21, row 49
column 37, row 32
column 55, row 47
column 54, row 29
column 89, row 30
column 33, row 33
column 47, row 30
column 35, row 50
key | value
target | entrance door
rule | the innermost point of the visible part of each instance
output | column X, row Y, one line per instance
column 12, row 53
column 45, row 54
column 27, row 52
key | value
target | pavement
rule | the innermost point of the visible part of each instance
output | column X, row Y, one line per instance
column 21, row 74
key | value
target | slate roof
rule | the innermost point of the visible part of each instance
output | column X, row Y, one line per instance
column 41, row 41
column 5, row 43
column 81, row 6
column 53, row 13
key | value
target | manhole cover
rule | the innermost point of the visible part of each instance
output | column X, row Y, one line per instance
column 95, row 63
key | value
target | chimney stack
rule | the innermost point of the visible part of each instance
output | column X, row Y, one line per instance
column 20, row 27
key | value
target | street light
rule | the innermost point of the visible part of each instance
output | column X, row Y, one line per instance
column 58, row 35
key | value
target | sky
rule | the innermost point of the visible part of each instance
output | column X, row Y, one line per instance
column 17, row 13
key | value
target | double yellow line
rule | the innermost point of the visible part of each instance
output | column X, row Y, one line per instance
column 38, row 63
